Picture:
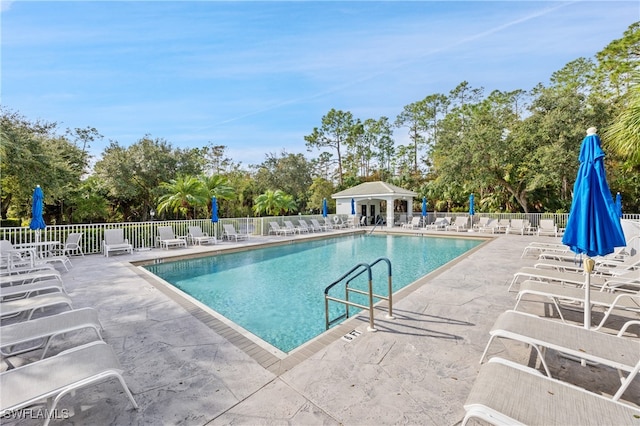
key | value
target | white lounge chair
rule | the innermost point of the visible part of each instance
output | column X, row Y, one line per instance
column 297, row 229
column 491, row 225
column 12, row 257
column 459, row 224
column 25, row 308
column 317, row 227
column 167, row 238
column 114, row 241
column 30, row 277
column 617, row 352
column 52, row 378
column 71, row 245
column 559, row 294
column 304, row 225
column 231, row 233
column 27, row 290
column 414, row 224
column 520, row 226
column 39, row 332
column 196, row 236
column 439, row 223
column 506, row 394
column 577, row 279
column 328, row 224
column 547, row 227
column 276, row 229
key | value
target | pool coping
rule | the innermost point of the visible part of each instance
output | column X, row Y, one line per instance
column 269, row 357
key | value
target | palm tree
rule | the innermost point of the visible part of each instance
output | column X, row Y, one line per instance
column 623, row 136
column 183, row 193
column 217, row 186
column 273, row 202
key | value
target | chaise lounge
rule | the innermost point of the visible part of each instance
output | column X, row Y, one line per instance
column 167, row 238
column 114, row 241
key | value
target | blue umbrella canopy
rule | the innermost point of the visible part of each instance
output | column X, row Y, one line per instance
column 324, row 207
column 37, row 221
column 424, row 206
column 214, row 210
column 593, row 227
column 472, row 210
column 619, row 204
column 353, row 206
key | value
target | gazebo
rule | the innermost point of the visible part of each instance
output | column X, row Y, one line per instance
column 371, row 197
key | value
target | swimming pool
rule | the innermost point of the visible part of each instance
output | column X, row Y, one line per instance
column 277, row 293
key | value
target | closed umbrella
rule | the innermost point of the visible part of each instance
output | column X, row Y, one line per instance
column 37, row 205
column 214, row 214
column 324, row 207
column 424, row 211
column 619, row 204
column 472, row 210
column 593, row 227
column 353, row 206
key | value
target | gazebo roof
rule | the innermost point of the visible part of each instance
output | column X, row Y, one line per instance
column 374, row 189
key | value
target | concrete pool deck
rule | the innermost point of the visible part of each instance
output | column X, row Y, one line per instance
column 185, row 369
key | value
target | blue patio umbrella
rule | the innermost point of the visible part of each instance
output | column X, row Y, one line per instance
column 619, row 204
column 593, row 227
column 472, row 209
column 37, row 221
column 214, row 213
column 353, row 206
column 424, row 210
column 324, row 207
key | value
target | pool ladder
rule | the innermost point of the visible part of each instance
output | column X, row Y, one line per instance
column 347, row 278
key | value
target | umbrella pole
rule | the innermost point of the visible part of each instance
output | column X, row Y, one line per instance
column 588, row 265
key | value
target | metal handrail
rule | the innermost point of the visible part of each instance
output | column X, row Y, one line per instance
column 359, row 269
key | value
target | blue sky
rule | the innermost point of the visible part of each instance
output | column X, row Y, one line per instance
column 258, row 76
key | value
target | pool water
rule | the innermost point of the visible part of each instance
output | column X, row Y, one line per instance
column 277, row 293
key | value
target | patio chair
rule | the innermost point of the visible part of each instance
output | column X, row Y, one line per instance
column 114, row 241
column 537, row 248
column 294, row 228
column 304, row 225
column 547, row 227
column 339, row 223
column 275, row 228
column 39, row 332
column 49, row 379
column 25, row 308
column 62, row 259
column 614, row 351
column 328, row 225
column 506, row 393
column 167, row 238
column 12, row 257
column 196, row 236
column 459, row 224
column 414, row 224
column 27, row 290
column 230, row 232
column 559, row 294
column 30, row 277
column 439, row 224
column 71, row 245
column 317, row 226
column 519, row 225
column 630, row 278
column 490, row 225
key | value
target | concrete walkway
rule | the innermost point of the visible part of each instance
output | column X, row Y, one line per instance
column 184, row 369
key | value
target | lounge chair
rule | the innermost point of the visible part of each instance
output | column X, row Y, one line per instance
column 559, row 294
column 27, row 290
column 275, row 228
column 577, row 279
column 71, row 245
column 617, row 352
column 414, row 224
column 52, row 378
column 114, row 241
column 328, row 224
column 62, row 259
column 519, row 225
column 30, row 277
column 317, row 226
column 338, row 222
column 294, row 228
column 12, row 257
column 402, row 220
column 25, row 308
column 167, row 238
column 537, row 248
column 439, row 224
column 230, row 232
column 547, row 227
column 304, row 225
column 491, row 225
column 482, row 222
column 505, row 393
column 41, row 331
column 196, row 236
column 607, row 268
column 459, row 224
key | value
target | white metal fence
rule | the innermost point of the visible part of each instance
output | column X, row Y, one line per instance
column 143, row 234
